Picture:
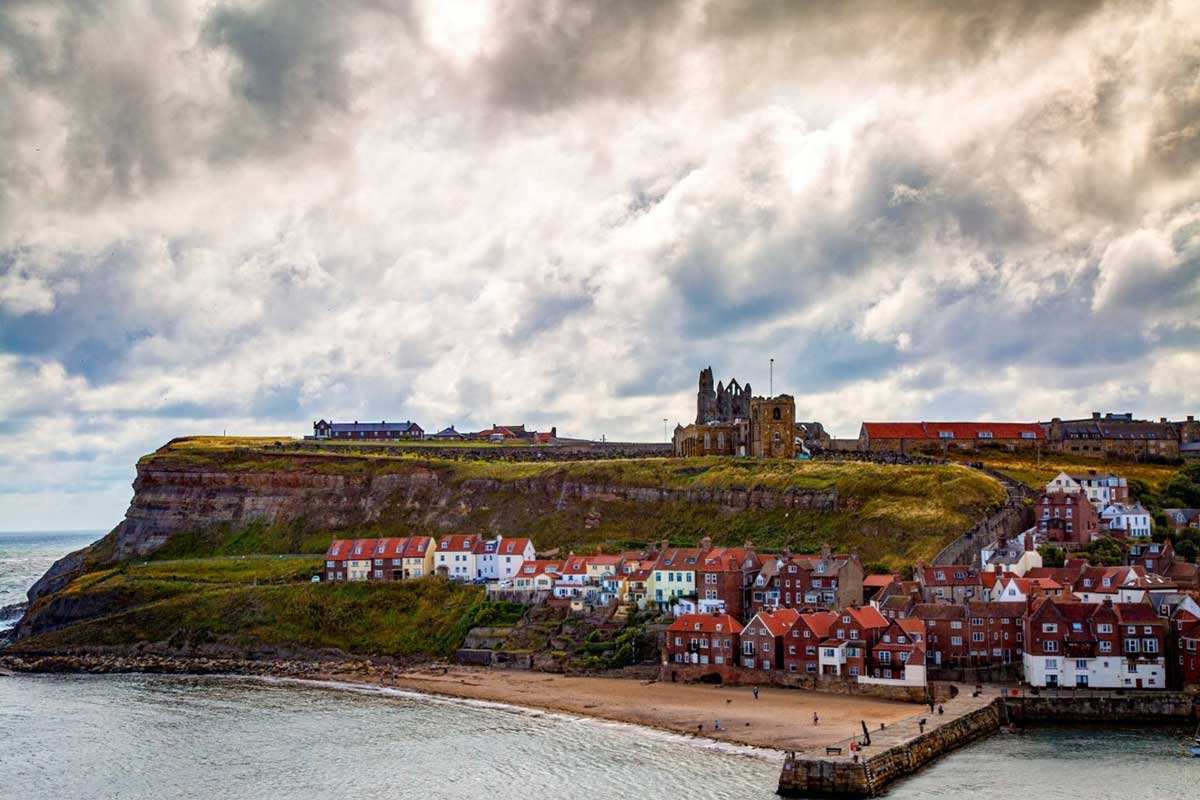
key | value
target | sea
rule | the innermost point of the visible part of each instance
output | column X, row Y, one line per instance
column 157, row 737
column 25, row 557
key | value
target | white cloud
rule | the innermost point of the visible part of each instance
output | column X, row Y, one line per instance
column 246, row 215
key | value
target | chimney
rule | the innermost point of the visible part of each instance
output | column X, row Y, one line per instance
column 825, row 551
column 664, row 544
column 787, row 551
column 1029, row 548
column 1162, row 420
column 749, row 545
column 706, row 543
column 1191, row 418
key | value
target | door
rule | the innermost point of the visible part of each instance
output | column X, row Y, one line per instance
column 1052, row 680
column 1081, row 681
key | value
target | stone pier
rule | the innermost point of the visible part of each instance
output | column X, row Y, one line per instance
column 894, row 752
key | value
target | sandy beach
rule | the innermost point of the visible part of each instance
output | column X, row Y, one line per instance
column 779, row 718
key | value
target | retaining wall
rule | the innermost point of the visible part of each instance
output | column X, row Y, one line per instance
column 1093, row 706
column 739, row 676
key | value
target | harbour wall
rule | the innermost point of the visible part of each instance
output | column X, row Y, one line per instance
column 848, row 777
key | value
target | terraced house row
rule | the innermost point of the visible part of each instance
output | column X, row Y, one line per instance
column 462, row 557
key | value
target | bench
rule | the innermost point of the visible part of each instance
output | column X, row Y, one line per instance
column 833, row 751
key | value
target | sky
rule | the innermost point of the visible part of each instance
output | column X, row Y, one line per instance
column 245, row 216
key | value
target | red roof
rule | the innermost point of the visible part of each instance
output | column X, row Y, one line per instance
column 867, row 617
column 727, row 559
column 534, row 567
column 819, row 622
column 603, row 560
column 361, row 549
column 705, row 623
column 958, row 430
column 390, row 547
column 878, row 581
column 338, row 550
column 512, row 547
column 458, row 543
column 778, row 622
column 416, row 546
column 913, row 627
column 575, row 565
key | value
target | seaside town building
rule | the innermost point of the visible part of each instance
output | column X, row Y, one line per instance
column 1017, row 555
column 808, row 581
column 674, row 574
column 726, row 574
column 1094, row 645
column 323, row 429
column 763, row 638
column 1120, row 435
column 1126, row 520
column 953, row 583
column 927, row 437
column 1101, row 488
column 803, row 640
column 1181, row 518
column 455, row 556
column 1067, row 519
column 703, row 639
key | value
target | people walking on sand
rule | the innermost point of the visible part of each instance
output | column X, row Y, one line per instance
column 755, row 691
column 941, row 709
column 816, row 719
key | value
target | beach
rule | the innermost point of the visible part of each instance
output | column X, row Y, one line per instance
column 780, row 719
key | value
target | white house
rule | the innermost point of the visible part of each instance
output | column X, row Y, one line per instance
column 500, row 558
column 1134, row 519
column 1017, row 555
column 1100, row 488
column 455, row 557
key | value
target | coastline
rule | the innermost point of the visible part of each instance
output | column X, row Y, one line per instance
column 779, row 720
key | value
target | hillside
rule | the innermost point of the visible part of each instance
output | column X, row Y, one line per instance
column 222, row 535
column 255, row 605
column 230, row 496
column 1028, row 469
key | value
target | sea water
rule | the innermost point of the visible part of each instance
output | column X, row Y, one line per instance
column 25, row 557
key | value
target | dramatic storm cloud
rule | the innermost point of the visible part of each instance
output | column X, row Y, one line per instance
column 246, row 215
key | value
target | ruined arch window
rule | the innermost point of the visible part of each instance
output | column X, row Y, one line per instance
column 776, row 413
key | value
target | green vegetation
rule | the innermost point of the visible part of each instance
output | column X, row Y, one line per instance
column 1106, row 552
column 889, row 515
column 1035, row 473
column 251, row 603
column 1052, row 555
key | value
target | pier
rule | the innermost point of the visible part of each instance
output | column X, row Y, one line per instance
column 902, row 748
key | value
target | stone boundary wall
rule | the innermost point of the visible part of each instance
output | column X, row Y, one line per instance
column 582, row 451
column 815, row 777
column 1094, row 706
column 1015, row 516
column 739, row 676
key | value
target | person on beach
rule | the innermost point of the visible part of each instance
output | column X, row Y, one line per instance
column 755, row 691
column 816, row 719
column 718, row 725
column 941, row 709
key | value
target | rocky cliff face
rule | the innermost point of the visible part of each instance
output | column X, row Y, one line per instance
column 171, row 498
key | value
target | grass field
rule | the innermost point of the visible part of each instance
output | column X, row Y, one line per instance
column 248, row 603
column 1035, row 473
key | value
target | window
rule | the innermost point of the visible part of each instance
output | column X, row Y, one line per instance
column 956, row 625
column 1104, row 627
column 1081, row 663
column 1050, row 646
column 1049, row 627
column 977, row 636
column 1105, row 646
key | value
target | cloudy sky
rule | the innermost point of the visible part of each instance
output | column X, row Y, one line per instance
column 244, row 216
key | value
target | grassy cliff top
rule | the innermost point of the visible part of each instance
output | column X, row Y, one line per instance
column 265, row 454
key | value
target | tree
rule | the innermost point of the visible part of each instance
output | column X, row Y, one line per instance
column 1052, row 555
column 1183, row 489
column 1187, row 549
column 1106, row 552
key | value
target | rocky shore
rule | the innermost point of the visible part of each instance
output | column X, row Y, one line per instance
column 349, row 669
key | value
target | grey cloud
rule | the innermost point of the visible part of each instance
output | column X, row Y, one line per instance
column 552, row 55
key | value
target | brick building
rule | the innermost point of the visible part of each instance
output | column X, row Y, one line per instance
column 763, row 639
column 703, row 639
column 1103, row 435
column 927, row 437
column 726, row 574
column 1098, row 645
column 803, row 641
column 825, row 580
column 1066, row 518
column 945, row 633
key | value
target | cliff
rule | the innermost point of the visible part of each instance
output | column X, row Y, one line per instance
column 202, row 498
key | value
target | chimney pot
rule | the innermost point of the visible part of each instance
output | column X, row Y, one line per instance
column 1095, row 415
column 1162, row 420
column 1191, row 418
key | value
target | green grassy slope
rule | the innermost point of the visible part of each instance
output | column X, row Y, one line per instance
column 249, row 603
